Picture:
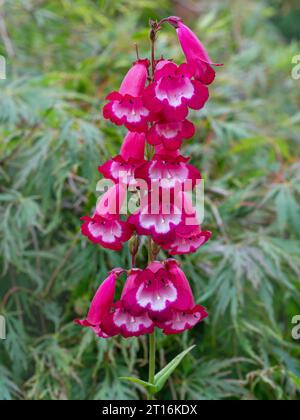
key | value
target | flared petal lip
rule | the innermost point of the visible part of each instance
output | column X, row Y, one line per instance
column 138, row 126
column 117, row 245
column 173, row 248
column 168, row 330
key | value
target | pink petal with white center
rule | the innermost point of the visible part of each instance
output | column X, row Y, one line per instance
column 132, row 325
column 157, row 225
column 120, row 170
column 156, row 295
column 168, row 172
column 152, row 290
column 171, row 134
column 181, row 244
column 173, row 92
column 127, row 110
column 111, row 233
column 182, row 321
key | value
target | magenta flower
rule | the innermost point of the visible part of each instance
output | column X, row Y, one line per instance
column 101, row 306
column 107, row 319
column 170, row 134
column 122, row 168
column 105, row 227
column 126, row 106
column 158, row 289
column 169, row 171
column 195, row 53
column 173, row 92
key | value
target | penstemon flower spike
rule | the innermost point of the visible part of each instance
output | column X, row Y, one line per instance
column 156, row 116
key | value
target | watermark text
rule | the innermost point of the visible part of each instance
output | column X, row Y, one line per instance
column 2, row 328
column 2, row 68
column 296, row 69
column 296, row 329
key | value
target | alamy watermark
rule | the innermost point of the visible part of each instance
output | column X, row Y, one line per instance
column 160, row 197
column 2, row 328
column 296, row 69
column 296, row 329
column 2, row 68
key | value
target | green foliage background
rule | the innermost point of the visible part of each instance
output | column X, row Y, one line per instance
column 63, row 57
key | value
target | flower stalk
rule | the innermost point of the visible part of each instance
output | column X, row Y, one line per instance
column 152, row 354
column 155, row 114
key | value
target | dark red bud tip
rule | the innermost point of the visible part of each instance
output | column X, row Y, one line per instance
column 143, row 61
column 117, row 271
column 174, row 20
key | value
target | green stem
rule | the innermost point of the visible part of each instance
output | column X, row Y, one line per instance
column 152, row 338
column 152, row 352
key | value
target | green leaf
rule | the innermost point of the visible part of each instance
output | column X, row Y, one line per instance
column 162, row 376
column 295, row 379
column 138, row 381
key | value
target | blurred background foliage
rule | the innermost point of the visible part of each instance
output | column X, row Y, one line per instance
column 63, row 56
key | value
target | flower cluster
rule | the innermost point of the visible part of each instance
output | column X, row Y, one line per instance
column 159, row 296
column 153, row 103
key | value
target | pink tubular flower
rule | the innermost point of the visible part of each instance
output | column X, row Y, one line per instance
column 126, row 107
column 194, row 51
column 188, row 237
column 157, row 289
column 183, row 316
column 173, row 91
column 127, row 323
column 105, row 227
column 101, row 305
column 122, row 167
column 108, row 319
column 170, row 134
column 169, row 171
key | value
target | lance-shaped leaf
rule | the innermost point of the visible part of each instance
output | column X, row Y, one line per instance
column 147, row 385
column 162, row 376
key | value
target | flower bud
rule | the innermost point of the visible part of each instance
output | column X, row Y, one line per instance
column 134, row 245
